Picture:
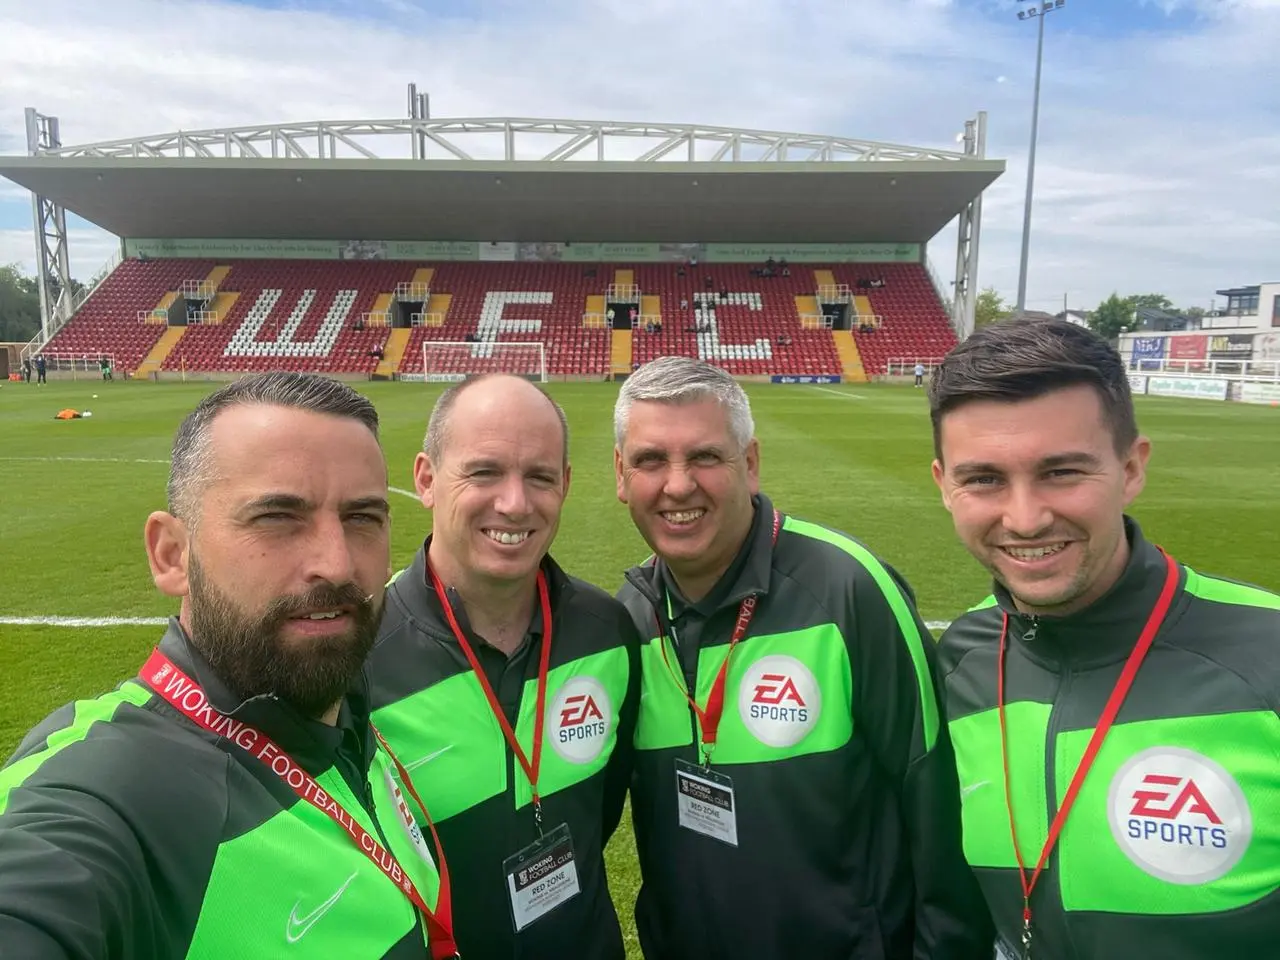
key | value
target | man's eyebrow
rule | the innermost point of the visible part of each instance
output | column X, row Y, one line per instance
column 366, row 503
column 1073, row 458
column 278, row 501
column 1070, row 459
column 973, row 467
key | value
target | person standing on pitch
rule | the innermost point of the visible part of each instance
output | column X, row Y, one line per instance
column 232, row 799
column 795, row 792
column 510, row 687
column 1111, row 709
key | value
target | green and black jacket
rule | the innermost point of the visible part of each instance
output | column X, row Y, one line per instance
column 848, row 818
column 434, row 714
column 1172, row 849
column 128, row 832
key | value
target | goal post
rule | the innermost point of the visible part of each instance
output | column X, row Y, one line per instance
column 449, row 361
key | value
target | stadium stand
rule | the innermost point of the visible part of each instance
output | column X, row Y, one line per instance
column 914, row 322
column 306, row 315
column 507, row 302
column 108, row 321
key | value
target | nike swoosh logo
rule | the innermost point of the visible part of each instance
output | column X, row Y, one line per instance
column 297, row 927
column 428, row 758
column 965, row 791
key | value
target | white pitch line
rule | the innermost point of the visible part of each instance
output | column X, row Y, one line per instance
column 161, row 621
column 84, row 460
column 404, row 493
column 84, row 621
column 840, row 393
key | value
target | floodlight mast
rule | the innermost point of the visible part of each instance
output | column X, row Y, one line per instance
column 1037, row 11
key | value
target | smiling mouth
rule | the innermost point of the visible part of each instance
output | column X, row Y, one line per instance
column 508, row 538
column 682, row 517
column 1036, row 553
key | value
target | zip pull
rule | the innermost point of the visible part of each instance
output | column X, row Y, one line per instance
column 1032, row 631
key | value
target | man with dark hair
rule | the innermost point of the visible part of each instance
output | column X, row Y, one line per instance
column 513, row 685
column 231, row 799
column 1114, row 712
column 795, row 792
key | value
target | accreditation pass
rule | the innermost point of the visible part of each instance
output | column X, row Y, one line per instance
column 541, row 876
column 704, row 802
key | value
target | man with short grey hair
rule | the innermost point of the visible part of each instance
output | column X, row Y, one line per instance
column 795, row 793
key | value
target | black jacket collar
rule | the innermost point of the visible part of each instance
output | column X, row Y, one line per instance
column 1107, row 629
column 413, row 591
column 313, row 744
column 750, row 573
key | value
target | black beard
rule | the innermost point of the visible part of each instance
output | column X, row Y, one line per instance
column 251, row 657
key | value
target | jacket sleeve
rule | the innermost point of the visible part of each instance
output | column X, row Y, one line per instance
column 69, row 873
column 897, row 706
column 622, row 760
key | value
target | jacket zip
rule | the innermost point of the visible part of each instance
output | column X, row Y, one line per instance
column 636, row 578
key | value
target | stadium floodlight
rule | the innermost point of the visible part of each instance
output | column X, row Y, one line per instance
column 1037, row 11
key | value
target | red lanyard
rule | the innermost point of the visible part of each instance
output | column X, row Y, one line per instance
column 544, row 662
column 168, row 680
column 709, row 717
column 1109, row 712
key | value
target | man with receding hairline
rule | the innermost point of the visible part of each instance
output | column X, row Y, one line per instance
column 510, row 687
column 1115, row 714
column 231, row 800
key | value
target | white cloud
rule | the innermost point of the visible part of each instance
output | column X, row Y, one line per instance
column 1156, row 166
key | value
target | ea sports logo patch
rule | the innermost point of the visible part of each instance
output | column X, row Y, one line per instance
column 1179, row 815
column 779, row 700
column 578, row 720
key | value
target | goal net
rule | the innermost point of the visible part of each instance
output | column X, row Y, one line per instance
column 448, row 361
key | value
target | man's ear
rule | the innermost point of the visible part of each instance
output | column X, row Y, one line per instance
column 424, row 478
column 168, row 544
column 940, row 478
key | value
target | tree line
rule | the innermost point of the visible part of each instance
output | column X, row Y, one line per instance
column 1112, row 317
column 20, row 304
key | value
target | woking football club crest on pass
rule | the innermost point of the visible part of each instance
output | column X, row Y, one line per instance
column 779, row 700
column 1179, row 816
column 578, row 720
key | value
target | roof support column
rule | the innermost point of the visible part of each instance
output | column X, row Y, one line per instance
column 968, row 236
column 53, row 265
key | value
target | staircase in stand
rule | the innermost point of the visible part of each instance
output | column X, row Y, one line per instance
column 620, row 353
column 850, row 359
column 156, row 358
column 393, row 353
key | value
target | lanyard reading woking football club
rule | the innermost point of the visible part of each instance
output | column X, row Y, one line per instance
column 182, row 693
column 709, row 716
column 530, row 768
column 1109, row 712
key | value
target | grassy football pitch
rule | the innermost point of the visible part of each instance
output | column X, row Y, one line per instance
column 75, row 494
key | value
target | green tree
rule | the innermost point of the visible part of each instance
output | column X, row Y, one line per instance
column 1113, row 316
column 19, row 305
column 1156, row 301
column 989, row 308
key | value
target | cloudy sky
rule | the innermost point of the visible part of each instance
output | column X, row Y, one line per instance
column 1159, row 155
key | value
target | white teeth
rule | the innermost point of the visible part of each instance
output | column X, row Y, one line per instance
column 683, row 516
column 1034, row 553
column 510, row 539
column 322, row 616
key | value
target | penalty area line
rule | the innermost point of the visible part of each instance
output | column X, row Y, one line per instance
column 840, row 393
